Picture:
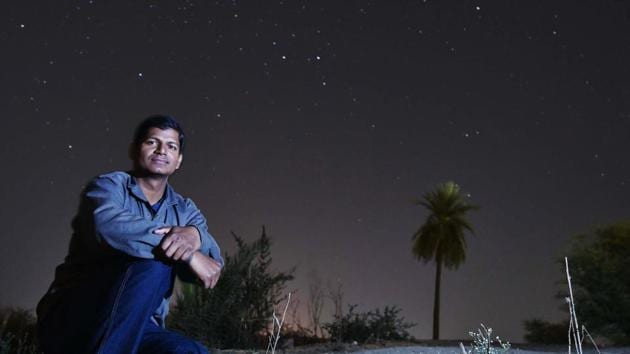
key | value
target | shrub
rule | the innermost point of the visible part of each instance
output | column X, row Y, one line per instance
column 543, row 332
column 600, row 272
column 371, row 326
column 301, row 336
column 17, row 331
column 236, row 313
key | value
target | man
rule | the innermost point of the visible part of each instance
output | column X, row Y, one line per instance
column 131, row 236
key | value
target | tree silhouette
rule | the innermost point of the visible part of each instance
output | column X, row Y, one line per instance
column 441, row 238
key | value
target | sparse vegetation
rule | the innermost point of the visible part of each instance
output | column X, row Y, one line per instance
column 315, row 302
column 236, row 313
column 371, row 326
column 17, row 331
column 484, row 343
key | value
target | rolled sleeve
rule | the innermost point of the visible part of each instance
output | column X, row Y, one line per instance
column 120, row 229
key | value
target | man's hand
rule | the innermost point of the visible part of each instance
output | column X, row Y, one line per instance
column 179, row 242
column 207, row 269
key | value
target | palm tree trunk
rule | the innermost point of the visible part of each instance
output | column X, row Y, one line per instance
column 436, row 299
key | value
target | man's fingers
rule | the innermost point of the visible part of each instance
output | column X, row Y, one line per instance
column 215, row 280
column 166, row 243
column 180, row 253
column 170, row 251
column 175, row 247
column 217, row 274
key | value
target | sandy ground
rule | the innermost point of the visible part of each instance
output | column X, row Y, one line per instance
column 429, row 348
column 456, row 350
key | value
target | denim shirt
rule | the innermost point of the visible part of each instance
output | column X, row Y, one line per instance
column 116, row 220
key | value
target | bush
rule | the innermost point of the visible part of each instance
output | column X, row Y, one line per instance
column 17, row 331
column 543, row 332
column 236, row 313
column 600, row 272
column 300, row 336
column 372, row 326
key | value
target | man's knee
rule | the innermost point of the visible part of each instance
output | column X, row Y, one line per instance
column 151, row 267
column 150, row 271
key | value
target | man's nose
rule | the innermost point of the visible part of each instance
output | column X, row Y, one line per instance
column 160, row 149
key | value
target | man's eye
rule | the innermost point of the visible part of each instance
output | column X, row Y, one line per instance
column 173, row 147
column 150, row 142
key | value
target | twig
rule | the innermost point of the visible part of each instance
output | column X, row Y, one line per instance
column 576, row 326
column 275, row 337
column 461, row 346
column 591, row 338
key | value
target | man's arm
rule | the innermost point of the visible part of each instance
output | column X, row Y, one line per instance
column 208, row 245
column 204, row 263
column 180, row 242
column 117, row 227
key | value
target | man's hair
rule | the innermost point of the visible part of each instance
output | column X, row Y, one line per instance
column 157, row 121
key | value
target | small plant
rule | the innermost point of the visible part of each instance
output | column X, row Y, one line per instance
column 483, row 343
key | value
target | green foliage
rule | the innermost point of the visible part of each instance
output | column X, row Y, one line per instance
column 372, row 326
column 236, row 313
column 17, row 331
column 441, row 237
column 543, row 332
column 600, row 272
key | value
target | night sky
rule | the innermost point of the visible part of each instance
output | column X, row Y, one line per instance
column 324, row 120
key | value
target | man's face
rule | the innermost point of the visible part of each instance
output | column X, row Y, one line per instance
column 159, row 153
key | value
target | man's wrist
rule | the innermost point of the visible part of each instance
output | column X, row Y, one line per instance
column 190, row 259
column 198, row 234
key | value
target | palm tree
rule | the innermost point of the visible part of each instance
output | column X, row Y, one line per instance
column 441, row 238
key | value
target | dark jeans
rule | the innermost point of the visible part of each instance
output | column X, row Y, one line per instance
column 111, row 314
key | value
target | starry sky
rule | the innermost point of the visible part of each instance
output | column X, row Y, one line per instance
column 324, row 121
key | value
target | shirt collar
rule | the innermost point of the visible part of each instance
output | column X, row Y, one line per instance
column 134, row 187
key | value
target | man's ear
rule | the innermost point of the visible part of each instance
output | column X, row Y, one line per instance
column 179, row 160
